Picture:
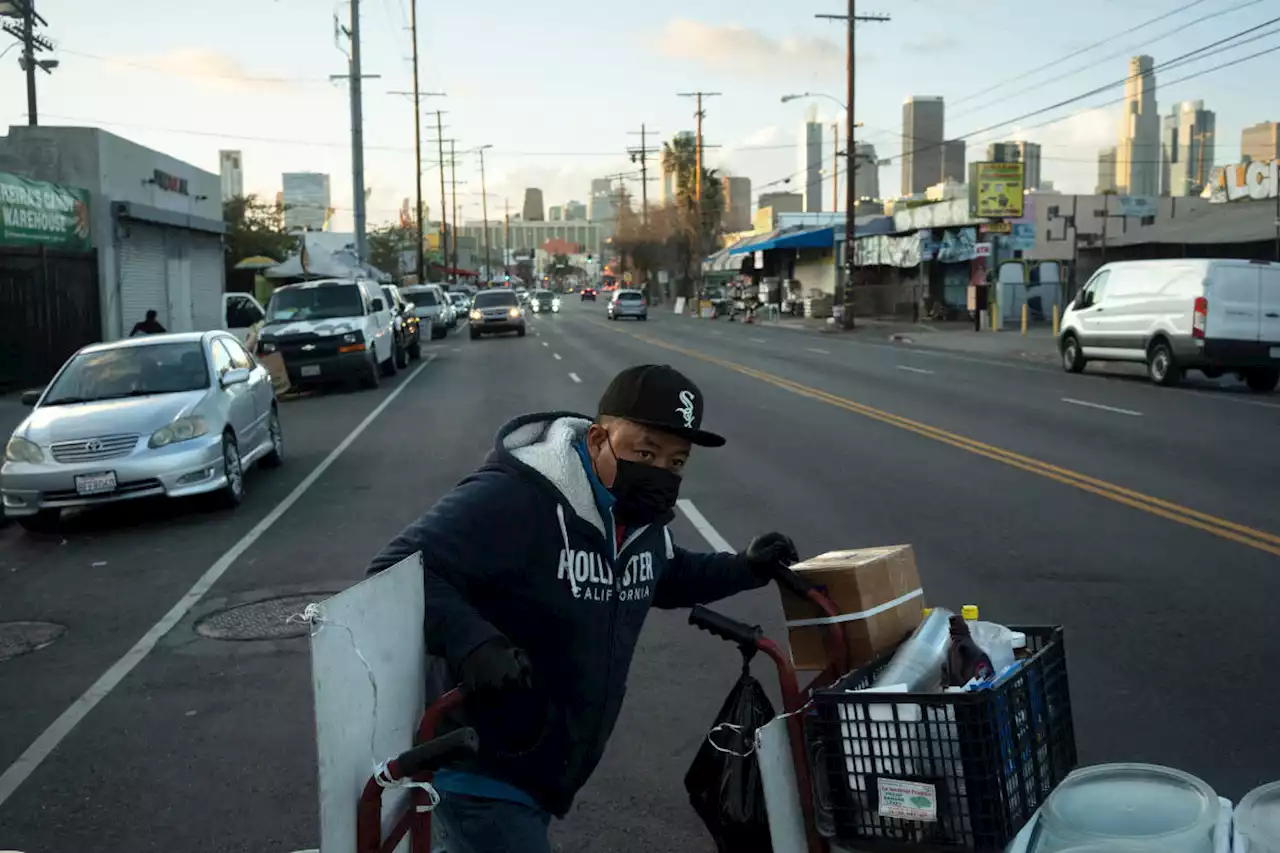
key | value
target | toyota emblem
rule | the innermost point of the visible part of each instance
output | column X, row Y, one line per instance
column 93, row 446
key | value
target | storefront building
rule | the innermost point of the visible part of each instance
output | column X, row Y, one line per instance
column 155, row 223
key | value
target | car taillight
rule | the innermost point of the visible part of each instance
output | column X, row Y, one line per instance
column 643, row 302
column 1199, row 317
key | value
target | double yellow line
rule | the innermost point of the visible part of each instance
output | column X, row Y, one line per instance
column 1259, row 539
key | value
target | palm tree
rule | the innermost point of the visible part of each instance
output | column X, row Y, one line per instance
column 697, row 226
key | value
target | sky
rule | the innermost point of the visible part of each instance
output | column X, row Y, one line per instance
column 561, row 89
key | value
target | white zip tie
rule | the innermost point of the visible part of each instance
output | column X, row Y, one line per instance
column 384, row 781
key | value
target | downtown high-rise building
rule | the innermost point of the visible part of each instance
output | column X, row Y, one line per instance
column 866, row 177
column 231, row 169
column 1186, row 142
column 953, row 162
column 575, row 211
column 922, row 143
column 1138, row 151
column 809, row 161
column 532, row 210
column 1026, row 153
column 1260, row 141
column 306, row 201
column 737, row 203
column 1106, row 171
column 604, row 201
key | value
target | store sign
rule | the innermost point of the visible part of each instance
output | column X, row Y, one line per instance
column 37, row 213
column 1257, row 180
column 995, row 190
column 170, row 183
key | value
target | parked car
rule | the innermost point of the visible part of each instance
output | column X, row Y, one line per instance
column 1215, row 316
column 522, row 293
column 406, row 326
column 496, row 310
column 544, row 302
column 448, row 315
column 588, row 294
column 461, row 303
column 172, row 415
column 331, row 330
column 429, row 306
column 628, row 303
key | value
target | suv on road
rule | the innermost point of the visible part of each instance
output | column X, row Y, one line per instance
column 628, row 303
column 331, row 329
column 496, row 310
column 406, row 325
column 429, row 306
column 544, row 302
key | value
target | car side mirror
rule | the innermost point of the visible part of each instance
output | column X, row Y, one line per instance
column 30, row 398
column 378, row 305
column 235, row 376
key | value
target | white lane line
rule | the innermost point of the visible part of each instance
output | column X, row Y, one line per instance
column 699, row 521
column 1100, row 406
column 914, row 369
column 576, row 378
column 758, row 340
column 545, row 344
column 556, row 356
column 48, row 741
column 716, row 332
column 818, row 351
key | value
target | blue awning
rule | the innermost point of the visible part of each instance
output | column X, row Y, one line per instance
column 800, row 237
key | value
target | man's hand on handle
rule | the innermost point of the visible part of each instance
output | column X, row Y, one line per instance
column 770, row 554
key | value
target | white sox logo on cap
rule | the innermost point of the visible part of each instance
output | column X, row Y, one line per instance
column 686, row 408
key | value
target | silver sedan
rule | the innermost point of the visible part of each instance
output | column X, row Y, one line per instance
column 163, row 415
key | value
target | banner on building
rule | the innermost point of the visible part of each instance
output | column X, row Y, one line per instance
column 1258, row 180
column 38, row 213
column 1137, row 205
column 995, row 190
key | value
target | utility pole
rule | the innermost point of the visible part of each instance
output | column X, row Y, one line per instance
column 484, row 213
column 444, row 227
column 506, row 238
column 835, row 166
column 642, row 154
column 698, row 154
column 31, row 44
column 355, row 78
column 851, row 165
column 453, row 182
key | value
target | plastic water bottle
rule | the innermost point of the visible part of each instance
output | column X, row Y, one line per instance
column 919, row 661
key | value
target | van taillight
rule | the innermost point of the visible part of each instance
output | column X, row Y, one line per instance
column 1199, row 317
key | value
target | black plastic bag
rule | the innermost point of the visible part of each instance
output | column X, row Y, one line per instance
column 724, row 784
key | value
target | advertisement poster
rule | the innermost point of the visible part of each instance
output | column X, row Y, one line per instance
column 38, row 213
column 995, row 190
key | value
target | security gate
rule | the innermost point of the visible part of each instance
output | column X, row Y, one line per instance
column 49, row 308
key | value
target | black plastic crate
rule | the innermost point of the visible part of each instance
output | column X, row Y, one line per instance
column 984, row 760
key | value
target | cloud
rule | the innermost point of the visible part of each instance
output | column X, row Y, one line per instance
column 1069, row 148
column 209, row 67
column 743, row 50
column 937, row 43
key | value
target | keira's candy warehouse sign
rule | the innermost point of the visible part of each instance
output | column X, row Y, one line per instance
column 1256, row 180
column 38, row 213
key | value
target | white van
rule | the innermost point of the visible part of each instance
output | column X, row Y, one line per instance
column 331, row 330
column 1215, row 316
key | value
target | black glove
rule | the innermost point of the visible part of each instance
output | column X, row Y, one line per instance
column 767, row 555
column 496, row 666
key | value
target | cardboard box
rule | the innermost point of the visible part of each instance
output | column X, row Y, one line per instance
column 877, row 592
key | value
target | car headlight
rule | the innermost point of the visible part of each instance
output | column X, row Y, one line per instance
column 21, row 450
column 514, row 312
column 352, row 337
column 555, row 303
column 183, row 429
column 476, row 315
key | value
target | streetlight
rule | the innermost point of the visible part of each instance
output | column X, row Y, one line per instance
column 787, row 98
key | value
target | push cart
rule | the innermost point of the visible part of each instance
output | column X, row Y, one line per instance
column 990, row 757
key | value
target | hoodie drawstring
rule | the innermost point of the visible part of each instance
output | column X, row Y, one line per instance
column 564, row 531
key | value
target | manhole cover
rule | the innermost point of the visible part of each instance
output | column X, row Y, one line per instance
column 18, row 638
column 261, row 620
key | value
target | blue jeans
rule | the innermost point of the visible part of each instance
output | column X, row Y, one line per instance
column 463, row 824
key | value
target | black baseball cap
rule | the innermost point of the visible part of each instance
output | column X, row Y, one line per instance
column 659, row 396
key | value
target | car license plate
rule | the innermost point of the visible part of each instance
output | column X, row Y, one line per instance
column 96, row 484
column 310, row 370
column 1275, row 352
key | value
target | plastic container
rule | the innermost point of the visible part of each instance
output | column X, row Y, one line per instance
column 1258, row 819
column 1159, row 808
column 981, row 762
column 919, row 660
column 996, row 640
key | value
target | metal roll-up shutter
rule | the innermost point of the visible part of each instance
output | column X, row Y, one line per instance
column 142, row 276
column 208, row 274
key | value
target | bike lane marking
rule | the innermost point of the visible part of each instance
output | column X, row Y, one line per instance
column 700, row 523
column 48, row 741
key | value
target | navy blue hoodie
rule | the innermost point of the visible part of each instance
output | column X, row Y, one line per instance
column 519, row 549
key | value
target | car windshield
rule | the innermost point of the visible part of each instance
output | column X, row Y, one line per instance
column 629, row 296
column 423, row 298
column 326, row 302
column 492, row 298
column 132, row 371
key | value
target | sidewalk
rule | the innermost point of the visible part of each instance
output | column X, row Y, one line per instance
column 1037, row 345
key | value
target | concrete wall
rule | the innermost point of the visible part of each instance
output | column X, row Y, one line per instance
column 1055, row 238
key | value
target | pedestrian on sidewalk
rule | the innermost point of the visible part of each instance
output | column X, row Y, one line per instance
column 539, row 570
column 149, row 326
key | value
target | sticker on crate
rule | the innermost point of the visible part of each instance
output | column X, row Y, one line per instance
column 908, row 800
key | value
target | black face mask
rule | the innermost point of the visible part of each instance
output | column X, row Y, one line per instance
column 643, row 493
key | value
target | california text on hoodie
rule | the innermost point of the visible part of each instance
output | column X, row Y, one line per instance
column 519, row 549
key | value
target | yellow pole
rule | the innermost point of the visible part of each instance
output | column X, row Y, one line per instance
column 1055, row 319
column 1024, row 319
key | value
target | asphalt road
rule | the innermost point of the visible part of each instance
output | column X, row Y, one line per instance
column 1143, row 519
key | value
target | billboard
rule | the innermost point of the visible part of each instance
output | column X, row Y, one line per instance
column 995, row 190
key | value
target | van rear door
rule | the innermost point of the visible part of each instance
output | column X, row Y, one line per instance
column 1235, row 301
column 1269, row 325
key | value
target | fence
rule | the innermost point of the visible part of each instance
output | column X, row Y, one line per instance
column 49, row 308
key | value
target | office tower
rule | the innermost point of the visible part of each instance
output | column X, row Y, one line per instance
column 1261, row 141
column 306, row 201
column 1138, row 153
column 737, row 203
column 1107, row 171
column 1186, row 141
column 1026, row 153
column 231, row 168
column 810, row 161
column 532, row 210
column 866, row 183
column 922, row 126
column 953, row 165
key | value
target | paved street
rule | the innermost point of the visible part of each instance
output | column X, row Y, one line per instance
column 1144, row 519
